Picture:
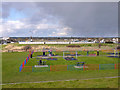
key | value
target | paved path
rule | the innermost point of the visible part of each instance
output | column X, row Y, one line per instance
column 60, row 80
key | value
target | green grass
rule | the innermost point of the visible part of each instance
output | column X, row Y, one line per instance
column 95, row 83
column 12, row 61
column 61, row 61
column 87, row 60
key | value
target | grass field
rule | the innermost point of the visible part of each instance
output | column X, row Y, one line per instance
column 12, row 61
column 94, row 83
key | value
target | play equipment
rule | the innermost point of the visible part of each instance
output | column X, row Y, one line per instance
column 73, row 53
column 44, row 54
column 110, row 50
column 26, row 69
column 91, row 67
column 82, row 67
column 80, row 63
column 51, row 58
column 49, row 51
column 87, row 53
column 41, row 66
column 70, row 58
column 58, row 67
column 92, row 54
column 96, row 53
column 42, row 62
column 115, row 54
column 26, row 60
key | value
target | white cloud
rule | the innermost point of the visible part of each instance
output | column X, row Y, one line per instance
column 61, row 31
column 63, row 34
column 34, row 31
column 10, row 26
column 22, row 28
column 53, row 32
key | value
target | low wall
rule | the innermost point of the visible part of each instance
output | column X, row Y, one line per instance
column 31, row 42
column 80, row 42
column 55, row 42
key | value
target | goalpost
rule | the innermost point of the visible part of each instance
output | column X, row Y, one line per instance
column 70, row 52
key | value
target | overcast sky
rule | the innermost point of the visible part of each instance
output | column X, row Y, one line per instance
column 88, row 19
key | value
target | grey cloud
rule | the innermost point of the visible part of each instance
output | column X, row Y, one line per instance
column 85, row 19
column 89, row 19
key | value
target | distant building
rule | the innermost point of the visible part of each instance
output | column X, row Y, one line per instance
column 115, row 40
column 5, row 38
column 102, row 41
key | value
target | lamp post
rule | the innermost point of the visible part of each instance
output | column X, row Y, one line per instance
column 31, row 35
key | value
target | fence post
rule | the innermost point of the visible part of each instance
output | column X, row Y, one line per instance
column 63, row 54
column 32, row 68
column 115, row 66
column 67, row 67
column 50, row 67
column 55, row 68
column 84, row 67
column 23, row 65
column 26, row 60
column 99, row 66
column 76, row 54
column 20, row 69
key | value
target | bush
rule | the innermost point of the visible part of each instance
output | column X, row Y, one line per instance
column 118, row 47
column 27, row 47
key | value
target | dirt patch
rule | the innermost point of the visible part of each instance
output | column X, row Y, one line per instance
column 9, row 46
column 54, row 48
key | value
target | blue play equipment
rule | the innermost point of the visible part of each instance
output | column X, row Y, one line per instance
column 80, row 63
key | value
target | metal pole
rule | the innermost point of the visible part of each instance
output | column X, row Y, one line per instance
column 76, row 54
column 114, row 52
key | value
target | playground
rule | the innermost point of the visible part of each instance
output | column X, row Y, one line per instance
column 70, row 60
column 38, row 66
